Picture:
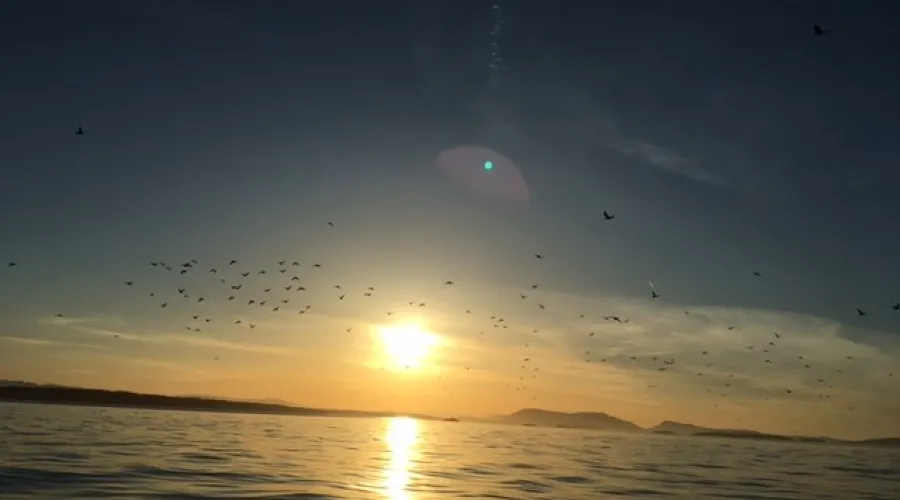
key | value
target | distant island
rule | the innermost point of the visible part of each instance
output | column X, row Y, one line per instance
column 602, row 421
column 26, row 392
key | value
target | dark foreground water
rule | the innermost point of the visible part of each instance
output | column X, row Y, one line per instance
column 64, row 452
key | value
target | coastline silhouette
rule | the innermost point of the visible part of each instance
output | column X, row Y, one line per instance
column 26, row 392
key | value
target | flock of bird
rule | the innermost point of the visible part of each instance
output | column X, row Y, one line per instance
column 284, row 290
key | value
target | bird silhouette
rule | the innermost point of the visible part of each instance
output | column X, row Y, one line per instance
column 608, row 216
column 818, row 31
column 79, row 131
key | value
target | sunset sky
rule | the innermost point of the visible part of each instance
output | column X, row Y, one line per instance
column 724, row 138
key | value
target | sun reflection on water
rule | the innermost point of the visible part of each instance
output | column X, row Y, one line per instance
column 401, row 441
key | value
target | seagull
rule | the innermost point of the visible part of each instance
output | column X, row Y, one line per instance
column 653, row 293
column 818, row 31
column 608, row 216
column 538, row 256
column 860, row 312
column 896, row 306
column 79, row 131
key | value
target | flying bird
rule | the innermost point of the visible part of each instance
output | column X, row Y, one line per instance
column 653, row 293
column 79, row 131
column 818, row 31
column 608, row 216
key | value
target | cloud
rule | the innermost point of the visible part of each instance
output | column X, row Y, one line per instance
column 191, row 340
column 46, row 342
column 664, row 158
column 27, row 341
column 80, row 320
column 765, row 355
column 107, row 328
column 572, row 115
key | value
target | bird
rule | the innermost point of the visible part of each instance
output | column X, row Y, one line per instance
column 896, row 306
column 860, row 312
column 79, row 131
column 12, row 264
column 818, row 31
column 608, row 216
column 538, row 256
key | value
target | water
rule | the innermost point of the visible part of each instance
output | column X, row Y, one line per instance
column 81, row 452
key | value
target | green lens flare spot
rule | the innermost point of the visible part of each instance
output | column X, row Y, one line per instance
column 488, row 165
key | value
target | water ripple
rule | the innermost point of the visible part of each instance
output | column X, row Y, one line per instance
column 52, row 452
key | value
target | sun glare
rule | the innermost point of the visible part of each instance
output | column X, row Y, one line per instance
column 406, row 344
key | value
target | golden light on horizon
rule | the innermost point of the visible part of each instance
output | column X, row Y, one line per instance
column 406, row 345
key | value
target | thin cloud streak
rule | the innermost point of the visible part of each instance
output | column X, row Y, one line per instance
column 166, row 338
column 47, row 342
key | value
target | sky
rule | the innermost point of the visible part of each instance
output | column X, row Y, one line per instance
column 724, row 138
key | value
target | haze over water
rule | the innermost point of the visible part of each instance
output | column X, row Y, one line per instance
column 53, row 452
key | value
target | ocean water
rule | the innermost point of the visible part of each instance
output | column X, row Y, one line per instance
column 65, row 452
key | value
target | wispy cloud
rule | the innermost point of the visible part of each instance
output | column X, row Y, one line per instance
column 573, row 115
column 747, row 354
column 664, row 158
column 27, row 341
column 191, row 340
column 80, row 320
column 47, row 342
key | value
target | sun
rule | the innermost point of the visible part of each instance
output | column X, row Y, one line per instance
column 406, row 344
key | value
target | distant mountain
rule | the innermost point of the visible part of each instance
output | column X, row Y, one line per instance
column 35, row 393
column 579, row 420
column 891, row 442
column 22, row 383
column 669, row 426
column 270, row 401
